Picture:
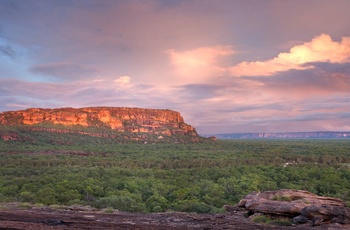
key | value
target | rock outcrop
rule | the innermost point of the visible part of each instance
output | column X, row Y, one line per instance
column 10, row 136
column 300, row 205
column 135, row 120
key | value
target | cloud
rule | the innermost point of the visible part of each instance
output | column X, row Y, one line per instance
column 35, row 90
column 81, row 93
column 197, row 91
column 64, row 70
column 98, row 80
column 336, row 127
column 7, row 51
column 123, row 80
column 320, row 49
column 182, row 55
column 199, row 63
column 17, row 105
column 322, row 79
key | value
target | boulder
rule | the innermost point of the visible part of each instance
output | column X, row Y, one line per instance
column 338, row 214
column 298, row 204
column 299, row 219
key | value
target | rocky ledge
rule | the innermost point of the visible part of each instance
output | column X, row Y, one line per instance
column 121, row 119
column 301, row 207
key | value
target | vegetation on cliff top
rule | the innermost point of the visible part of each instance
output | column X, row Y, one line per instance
column 56, row 136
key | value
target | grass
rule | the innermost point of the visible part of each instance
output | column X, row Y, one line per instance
column 26, row 205
column 109, row 210
column 265, row 219
column 57, row 206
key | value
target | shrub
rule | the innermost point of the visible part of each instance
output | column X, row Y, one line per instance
column 265, row 219
column 282, row 222
column 157, row 203
column 26, row 205
column 109, row 210
column 195, row 206
column 261, row 219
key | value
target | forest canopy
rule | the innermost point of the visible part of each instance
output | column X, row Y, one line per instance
column 196, row 177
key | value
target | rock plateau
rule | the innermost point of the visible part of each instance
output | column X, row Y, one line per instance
column 161, row 122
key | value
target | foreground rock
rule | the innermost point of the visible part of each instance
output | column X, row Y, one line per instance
column 76, row 217
column 21, row 216
column 300, row 205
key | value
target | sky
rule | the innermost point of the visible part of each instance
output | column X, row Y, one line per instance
column 228, row 66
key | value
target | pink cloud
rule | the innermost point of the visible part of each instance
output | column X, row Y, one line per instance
column 198, row 64
column 320, row 49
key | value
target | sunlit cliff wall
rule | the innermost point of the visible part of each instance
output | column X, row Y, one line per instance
column 166, row 122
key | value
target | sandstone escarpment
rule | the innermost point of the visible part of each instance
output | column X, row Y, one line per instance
column 121, row 119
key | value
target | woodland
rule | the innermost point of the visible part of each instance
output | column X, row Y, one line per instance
column 69, row 169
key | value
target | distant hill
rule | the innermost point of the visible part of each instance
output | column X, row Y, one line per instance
column 119, row 123
column 286, row 135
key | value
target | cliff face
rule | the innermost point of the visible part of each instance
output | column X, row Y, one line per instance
column 136, row 120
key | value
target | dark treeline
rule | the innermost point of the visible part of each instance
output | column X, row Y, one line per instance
column 199, row 177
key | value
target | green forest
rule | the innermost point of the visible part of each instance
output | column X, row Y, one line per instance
column 67, row 169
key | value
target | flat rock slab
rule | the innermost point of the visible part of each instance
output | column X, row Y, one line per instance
column 300, row 204
column 13, row 217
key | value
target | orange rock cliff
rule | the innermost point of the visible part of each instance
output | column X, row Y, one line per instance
column 136, row 120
